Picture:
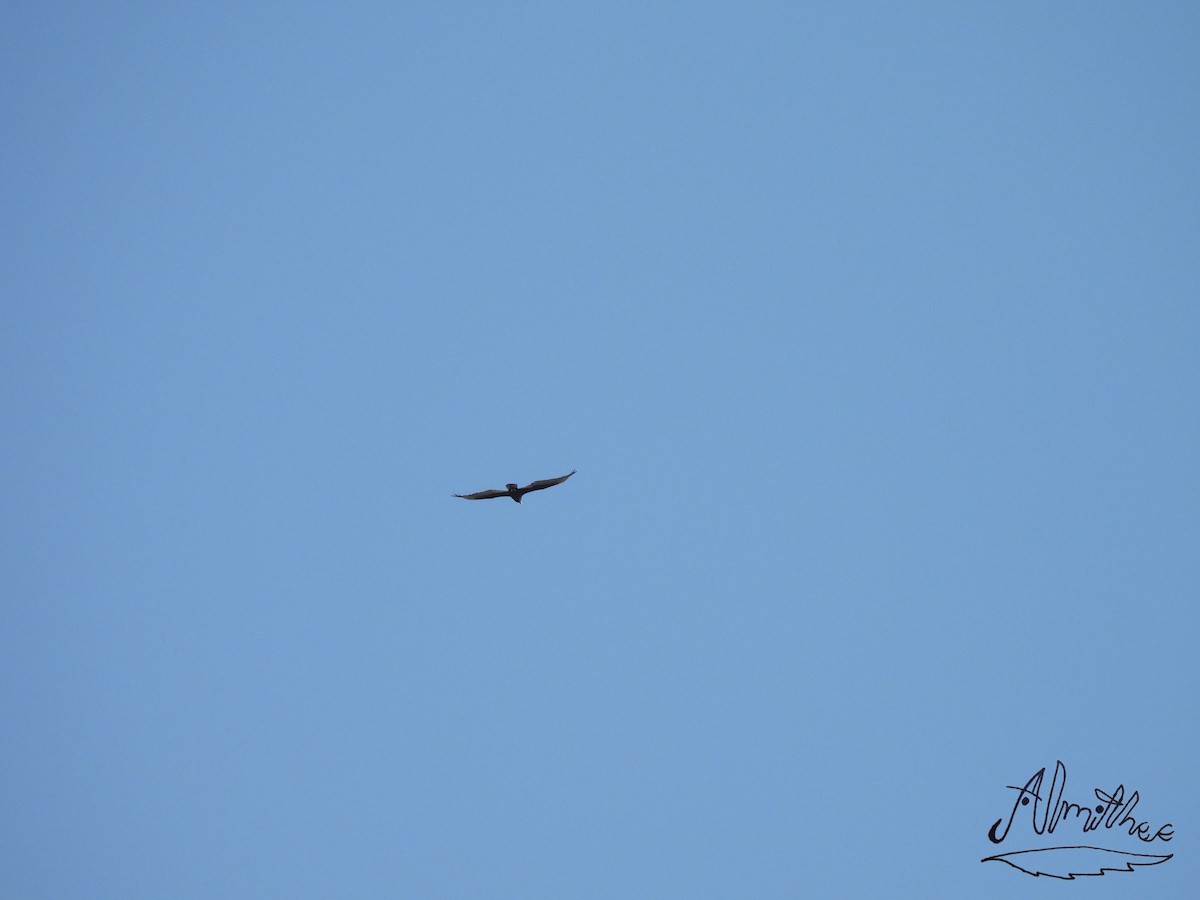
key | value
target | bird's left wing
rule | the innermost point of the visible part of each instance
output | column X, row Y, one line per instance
column 483, row 495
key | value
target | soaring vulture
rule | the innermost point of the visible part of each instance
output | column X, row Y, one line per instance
column 511, row 490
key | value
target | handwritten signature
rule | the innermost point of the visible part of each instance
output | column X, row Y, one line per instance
column 1051, row 809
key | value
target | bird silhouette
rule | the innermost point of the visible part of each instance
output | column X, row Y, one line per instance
column 511, row 490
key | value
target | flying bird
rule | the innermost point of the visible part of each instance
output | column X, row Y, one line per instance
column 511, row 490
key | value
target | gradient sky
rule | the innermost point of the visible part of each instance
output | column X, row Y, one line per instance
column 871, row 330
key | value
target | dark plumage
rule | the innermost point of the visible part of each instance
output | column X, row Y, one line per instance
column 511, row 490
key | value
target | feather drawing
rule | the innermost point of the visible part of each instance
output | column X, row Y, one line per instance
column 1068, row 862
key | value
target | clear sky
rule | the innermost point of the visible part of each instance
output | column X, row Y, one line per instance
column 871, row 329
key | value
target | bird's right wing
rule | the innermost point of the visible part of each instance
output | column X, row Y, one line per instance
column 545, row 483
column 483, row 495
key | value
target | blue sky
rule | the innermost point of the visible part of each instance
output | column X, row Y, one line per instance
column 871, row 330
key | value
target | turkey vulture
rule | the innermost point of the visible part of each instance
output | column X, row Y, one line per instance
column 511, row 490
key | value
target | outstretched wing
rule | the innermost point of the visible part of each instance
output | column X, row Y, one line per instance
column 484, row 495
column 545, row 483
